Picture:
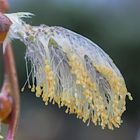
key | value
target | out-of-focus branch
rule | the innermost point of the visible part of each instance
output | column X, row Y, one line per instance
column 5, row 102
column 10, row 100
column 14, row 92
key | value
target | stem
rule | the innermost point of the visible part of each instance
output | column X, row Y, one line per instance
column 10, row 74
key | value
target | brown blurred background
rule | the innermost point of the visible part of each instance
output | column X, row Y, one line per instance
column 115, row 26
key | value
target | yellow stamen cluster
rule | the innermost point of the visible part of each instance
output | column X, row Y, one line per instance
column 116, row 82
column 87, row 103
column 49, row 86
column 96, row 110
column 119, row 91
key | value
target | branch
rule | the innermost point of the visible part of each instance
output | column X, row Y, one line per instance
column 14, row 92
column 10, row 90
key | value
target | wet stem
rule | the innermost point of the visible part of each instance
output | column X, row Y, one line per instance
column 10, row 85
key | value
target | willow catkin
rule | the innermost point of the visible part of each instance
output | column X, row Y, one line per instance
column 72, row 71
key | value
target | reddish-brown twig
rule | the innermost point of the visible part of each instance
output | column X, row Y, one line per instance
column 10, row 89
column 14, row 91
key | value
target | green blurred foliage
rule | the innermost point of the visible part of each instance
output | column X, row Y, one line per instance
column 114, row 26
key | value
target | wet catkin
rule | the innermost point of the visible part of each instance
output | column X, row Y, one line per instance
column 72, row 71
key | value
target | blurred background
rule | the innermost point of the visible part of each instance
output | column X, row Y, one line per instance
column 115, row 26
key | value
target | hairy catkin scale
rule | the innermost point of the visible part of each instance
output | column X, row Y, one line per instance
column 70, row 70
